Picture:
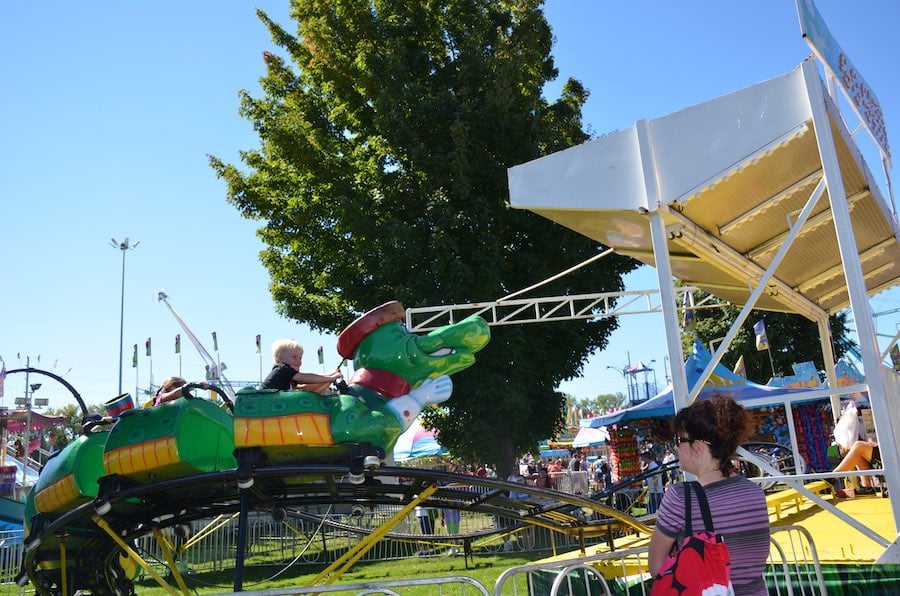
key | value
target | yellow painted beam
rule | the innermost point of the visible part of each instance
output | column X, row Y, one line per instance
column 346, row 561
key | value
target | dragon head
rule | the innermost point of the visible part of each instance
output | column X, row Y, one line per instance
column 386, row 355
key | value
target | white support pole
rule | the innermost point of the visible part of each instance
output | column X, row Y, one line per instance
column 663, row 266
column 670, row 312
column 856, row 286
column 828, row 357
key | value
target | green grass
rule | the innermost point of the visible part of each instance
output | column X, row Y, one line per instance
column 485, row 569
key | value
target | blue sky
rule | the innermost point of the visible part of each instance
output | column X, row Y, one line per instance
column 109, row 110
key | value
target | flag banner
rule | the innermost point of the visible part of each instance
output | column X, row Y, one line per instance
column 258, row 338
column 148, row 347
column 178, row 343
column 740, row 368
column 2, row 378
column 134, row 357
column 321, row 355
column 895, row 360
column 762, row 342
column 688, row 319
column 215, row 343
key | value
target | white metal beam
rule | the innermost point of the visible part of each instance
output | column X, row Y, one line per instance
column 545, row 309
column 856, row 285
column 697, row 240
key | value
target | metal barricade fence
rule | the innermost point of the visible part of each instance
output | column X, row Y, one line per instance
column 793, row 557
column 573, row 483
column 212, row 544
column 11, row 551
column 625, row 569
column 793, row 565
column 392, row 588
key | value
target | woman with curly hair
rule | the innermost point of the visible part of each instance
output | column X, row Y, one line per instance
column 707, row 434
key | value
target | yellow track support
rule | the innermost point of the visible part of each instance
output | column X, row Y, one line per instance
column 63, row 572
column 355, row 554
column 133, row 555
column 167, row 549
column 211, row 527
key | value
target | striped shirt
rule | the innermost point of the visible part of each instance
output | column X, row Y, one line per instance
column 739, row 513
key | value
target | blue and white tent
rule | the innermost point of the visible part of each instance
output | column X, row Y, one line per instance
column 417, row 441
column 721, row 382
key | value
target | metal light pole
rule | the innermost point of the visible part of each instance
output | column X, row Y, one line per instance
column 30, row 388
column 124, row 247
column 631, row 388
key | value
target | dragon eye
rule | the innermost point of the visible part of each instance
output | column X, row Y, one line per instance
column 443, row 352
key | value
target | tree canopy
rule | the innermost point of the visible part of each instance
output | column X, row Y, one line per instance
column 386, row 129
column 61, row 435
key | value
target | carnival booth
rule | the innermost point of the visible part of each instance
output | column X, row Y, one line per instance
column 648, row 423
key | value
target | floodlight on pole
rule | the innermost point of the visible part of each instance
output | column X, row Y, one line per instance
column 124, row 246
column 30, row 388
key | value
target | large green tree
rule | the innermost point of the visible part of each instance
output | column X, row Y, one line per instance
column 386, row 128
column 61, row 435
column 792, row 339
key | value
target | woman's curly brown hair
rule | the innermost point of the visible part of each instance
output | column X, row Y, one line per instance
column 721, row 422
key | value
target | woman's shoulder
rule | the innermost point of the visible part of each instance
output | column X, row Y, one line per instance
column 736, row 485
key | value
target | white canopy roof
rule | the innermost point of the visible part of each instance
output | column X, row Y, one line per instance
column 730, row 175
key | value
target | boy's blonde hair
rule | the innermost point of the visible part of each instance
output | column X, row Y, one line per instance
column 282, row 347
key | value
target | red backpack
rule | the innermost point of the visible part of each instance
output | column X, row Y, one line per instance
column 700, row 562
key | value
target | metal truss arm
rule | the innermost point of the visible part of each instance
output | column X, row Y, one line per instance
column 547, row 309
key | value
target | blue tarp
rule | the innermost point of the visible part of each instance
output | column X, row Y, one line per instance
column 721, row 382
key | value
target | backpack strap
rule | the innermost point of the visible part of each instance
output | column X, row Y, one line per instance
column 704, row 508
column 688, row 528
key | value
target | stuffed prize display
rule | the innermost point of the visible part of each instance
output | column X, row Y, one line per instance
column 812, row 439
column 623, row 452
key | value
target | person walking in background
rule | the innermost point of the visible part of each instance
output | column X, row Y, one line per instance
column 670, row 458
column 654, row 482
column 450, row 519
column 606, row 470
column 426, row 526
column 707, row 434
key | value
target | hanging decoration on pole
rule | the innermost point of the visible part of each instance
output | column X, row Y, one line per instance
column 762, row 341
column 759, row 329
column 134, row 365
column 178, row 351
column 740, row 368
column 259, row 351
